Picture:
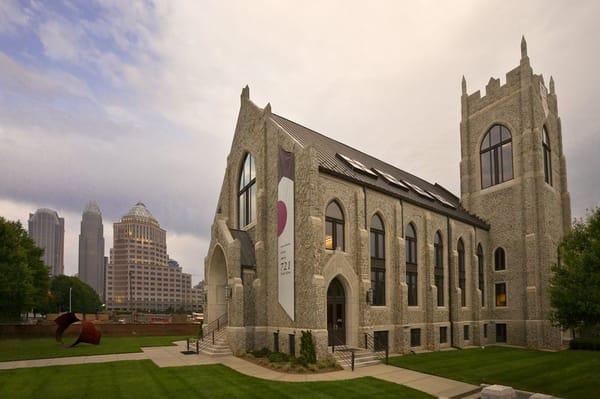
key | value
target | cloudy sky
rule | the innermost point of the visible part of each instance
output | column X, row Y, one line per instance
column 122, row 101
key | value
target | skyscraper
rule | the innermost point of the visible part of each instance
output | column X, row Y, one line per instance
column 139, row 274
column 47, row 230
column 91, row 248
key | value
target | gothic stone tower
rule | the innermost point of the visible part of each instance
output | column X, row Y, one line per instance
column 513, row 175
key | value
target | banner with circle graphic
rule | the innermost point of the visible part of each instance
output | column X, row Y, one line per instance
column 285, row 231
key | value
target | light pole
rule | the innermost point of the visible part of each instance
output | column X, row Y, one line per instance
column 70, row 291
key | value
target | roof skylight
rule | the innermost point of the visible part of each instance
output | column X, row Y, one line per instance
column 443, row 200
column 356, row 165
column 391, row 179
column 419, row 190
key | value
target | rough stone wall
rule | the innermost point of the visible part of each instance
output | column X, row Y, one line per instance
column 528, row 217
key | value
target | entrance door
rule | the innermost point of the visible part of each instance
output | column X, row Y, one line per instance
column 336, row 313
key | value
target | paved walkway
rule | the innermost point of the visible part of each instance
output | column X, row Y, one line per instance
column 171, row 356
column 64, row 361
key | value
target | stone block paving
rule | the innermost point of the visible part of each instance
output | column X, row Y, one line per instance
column 171, row 356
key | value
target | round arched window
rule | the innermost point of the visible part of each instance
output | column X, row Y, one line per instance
column 496, row 156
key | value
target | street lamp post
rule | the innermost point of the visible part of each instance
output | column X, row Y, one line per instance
column 70, row 292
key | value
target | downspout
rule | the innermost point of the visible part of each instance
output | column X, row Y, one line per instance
column 365, row 204
column 450, row 283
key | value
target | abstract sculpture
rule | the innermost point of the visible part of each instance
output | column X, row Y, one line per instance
column 89, row 333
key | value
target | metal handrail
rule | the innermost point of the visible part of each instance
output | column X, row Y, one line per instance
column 214, row 326
column 369, row 343
column 346, row 352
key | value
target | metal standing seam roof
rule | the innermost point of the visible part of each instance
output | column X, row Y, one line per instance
column 248, row 257
column 328, row 148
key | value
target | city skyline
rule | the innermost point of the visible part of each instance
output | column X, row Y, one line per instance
column 72, row 231
column 91, row 249
column 103, row 80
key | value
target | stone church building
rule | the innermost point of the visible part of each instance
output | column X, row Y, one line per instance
column 312, row 234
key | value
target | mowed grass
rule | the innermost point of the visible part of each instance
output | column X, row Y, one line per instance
column 143, row 379
column 568, row 374
column 43, row 348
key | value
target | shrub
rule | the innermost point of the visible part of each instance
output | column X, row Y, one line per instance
column 307, row 347
column 300, row 360
column 590, row 344
column 261, row 352
column 278, row 357
column 327, row 362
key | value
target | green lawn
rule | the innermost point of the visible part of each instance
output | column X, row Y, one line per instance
column 42, row 348
column 143, row 379
column 568, row 374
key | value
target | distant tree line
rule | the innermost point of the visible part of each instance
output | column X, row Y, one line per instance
column 24, row 282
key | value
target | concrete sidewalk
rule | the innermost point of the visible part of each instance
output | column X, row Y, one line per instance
column 171, row 356
column 65, row 361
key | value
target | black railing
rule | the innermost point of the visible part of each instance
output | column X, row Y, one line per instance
column 379, row 348
column 345, row 353
column 215, row 327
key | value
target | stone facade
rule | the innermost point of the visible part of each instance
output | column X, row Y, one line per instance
column 524, row 215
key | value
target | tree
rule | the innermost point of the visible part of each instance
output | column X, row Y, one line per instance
column 24, row 278
column 83, row 297
column 575, row 286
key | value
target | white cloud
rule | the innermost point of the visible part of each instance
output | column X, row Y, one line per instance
column 60, row 42
column 12, row 17
column 189, row 250
column 153, row 115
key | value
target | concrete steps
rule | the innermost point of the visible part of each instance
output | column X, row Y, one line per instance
column 362, row 358
column 219, row 348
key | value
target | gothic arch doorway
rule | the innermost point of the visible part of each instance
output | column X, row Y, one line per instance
column 336, row 313
column 217, row 280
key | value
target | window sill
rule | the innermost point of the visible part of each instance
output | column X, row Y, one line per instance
column 379, row 307
column 248, row 226
column 498, row 186
column 341, row 251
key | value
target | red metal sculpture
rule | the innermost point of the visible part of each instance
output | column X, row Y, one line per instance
column 89, row 333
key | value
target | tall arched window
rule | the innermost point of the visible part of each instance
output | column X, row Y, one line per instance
column 499, row 259
column 480, row 273
column 247, row 192
column 460, row 248
column 378, row 260
column 547, row 157
column 438, row 255
column 334, row 226
column 412, row 275
column 496, row 156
